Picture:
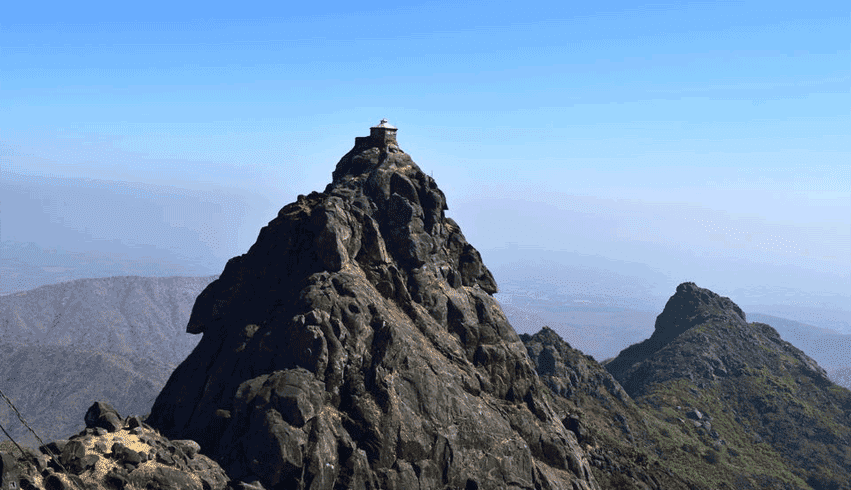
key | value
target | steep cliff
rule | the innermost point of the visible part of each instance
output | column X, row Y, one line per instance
column 357, row 344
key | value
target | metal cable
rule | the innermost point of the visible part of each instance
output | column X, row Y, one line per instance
column 25, row 454
column 43, row 445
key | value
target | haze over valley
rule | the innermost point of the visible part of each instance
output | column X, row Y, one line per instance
column 657, row 197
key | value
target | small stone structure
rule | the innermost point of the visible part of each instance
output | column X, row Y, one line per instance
column 381, row 136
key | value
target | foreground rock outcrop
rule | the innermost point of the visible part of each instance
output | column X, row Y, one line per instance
column 358, row 345
column 112, row 453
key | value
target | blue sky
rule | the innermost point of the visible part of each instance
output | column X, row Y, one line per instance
column 683, row 141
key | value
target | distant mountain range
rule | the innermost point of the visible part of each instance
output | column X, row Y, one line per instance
column 115, row 339
column 119, row 338
column 360, row 343
column 602, row 326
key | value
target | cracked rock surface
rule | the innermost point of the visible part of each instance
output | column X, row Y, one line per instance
column 357, row 344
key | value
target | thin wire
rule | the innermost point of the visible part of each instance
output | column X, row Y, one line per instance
column 20, row 417
column 13, row 441
column 43, row 445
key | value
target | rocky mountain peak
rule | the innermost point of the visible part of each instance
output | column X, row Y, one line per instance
column 357, row 344
column 704, row 355
column 546, row 336
column 696, row 319
column 691, row 306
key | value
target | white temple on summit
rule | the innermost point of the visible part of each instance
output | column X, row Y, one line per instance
column 383, row 134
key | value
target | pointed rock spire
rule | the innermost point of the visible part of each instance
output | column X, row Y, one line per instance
column 357, row 343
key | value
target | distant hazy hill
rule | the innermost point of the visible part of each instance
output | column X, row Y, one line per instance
column 598, row 331
column 115, row 339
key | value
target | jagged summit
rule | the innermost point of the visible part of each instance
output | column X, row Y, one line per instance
column 705, row 355
column 699, row 320
column 357, row 344
column 692, row 305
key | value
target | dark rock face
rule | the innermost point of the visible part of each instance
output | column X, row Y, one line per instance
column 357, row 345
column 719, row 344
column 102, row 415
column 567, row 371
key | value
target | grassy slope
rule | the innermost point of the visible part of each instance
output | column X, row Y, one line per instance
column 782, row 428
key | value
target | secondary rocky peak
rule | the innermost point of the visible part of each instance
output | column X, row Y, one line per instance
column 357, row 344
column 546, row 336
column 704, row 355
column 691, row 306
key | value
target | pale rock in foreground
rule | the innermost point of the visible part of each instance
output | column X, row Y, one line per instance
column 113, row 454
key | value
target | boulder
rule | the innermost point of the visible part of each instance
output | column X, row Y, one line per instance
column 75, row 459
column 56, row 482
column 101, row 414
column 37, row 458
column 694, row 414
column 54, row 449
column 133, row 422
column 163, row 478
column 125, row 458
column 189, row 447
column 126, row 455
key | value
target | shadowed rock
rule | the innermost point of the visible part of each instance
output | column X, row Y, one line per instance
column 101, row 414
column 566, row 370
column 357, row 344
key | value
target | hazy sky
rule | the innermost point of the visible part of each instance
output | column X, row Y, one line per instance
column 683, row 141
